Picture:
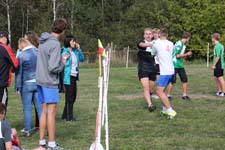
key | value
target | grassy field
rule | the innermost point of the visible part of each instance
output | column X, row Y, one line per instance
column 199, row 125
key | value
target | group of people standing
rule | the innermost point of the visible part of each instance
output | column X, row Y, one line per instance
column 160, row 60
column 37, row 66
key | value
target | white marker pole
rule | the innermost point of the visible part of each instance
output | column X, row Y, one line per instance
column 207, row 56
column 106, row 105
column 127, row 61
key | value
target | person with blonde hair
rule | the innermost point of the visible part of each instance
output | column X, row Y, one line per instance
column 218, row 64
column 26, row 82
column 146, row 66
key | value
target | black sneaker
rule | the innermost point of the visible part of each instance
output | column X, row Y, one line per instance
column 44, row 146
column 26, row 133
column 55, row 148
column 169, row 98
column 186, row 98
column 151, row 108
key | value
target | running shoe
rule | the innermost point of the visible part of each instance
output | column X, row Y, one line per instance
column 151, row 108
column 171, row 114
column 55, row 148
column 186, row 98
column 218, row 93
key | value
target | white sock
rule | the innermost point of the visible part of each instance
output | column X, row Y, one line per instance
column 149, row 104
column 170, row 109
column 184, row 94
column 164, row 108
column 42, row 142
column 52, row 144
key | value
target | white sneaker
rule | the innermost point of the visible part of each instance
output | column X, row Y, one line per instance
column 221, row 95
column 155, row 96
column 22, row 130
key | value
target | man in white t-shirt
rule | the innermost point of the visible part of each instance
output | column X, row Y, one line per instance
column 164, row 49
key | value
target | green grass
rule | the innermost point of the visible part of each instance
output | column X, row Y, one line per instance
column 199, row 125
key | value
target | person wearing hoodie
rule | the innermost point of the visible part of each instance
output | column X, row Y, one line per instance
column 71, row 74
column 49, row 65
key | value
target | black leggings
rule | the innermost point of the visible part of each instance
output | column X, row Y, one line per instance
column 70, row 98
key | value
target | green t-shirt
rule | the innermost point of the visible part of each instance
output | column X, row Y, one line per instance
column 179, row 48
column 219, row 52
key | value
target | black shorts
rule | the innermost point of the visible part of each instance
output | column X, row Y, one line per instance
column 146, row 71
column 182, row 74
column 218, row 72
column 157, row 69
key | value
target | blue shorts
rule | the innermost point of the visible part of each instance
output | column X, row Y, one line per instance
column 48, row 95
column 164, row 80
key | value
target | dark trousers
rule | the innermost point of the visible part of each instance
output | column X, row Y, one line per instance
column 4, row 96
column 61, row 85
column 70, row 98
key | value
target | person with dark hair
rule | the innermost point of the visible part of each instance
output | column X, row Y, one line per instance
column 49, row 65
column 34, row 40
column 26, row 82
column 32, row 37
column 5, row 131
column 71, row 75
column 179, row 54
column 8, row 136
column 8, row 62
column 146, row 67
column 218, row 64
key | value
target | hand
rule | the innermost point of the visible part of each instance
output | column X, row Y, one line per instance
column 65, row 58
column 213, row 67
column 77, row 46
column 150, row 44
column 189, row 53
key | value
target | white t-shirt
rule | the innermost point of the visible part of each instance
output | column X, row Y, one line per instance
column 149, row 49
column 156, row 58
column 74, row 66
column 164, row 50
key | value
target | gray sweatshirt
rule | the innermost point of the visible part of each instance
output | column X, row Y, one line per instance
column 48, row 61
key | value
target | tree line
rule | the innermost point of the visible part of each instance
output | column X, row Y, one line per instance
column 118, row 21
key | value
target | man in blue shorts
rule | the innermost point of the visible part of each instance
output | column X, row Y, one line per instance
column 164, row 49
column 49, row 65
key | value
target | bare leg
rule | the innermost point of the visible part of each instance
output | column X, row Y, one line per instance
column 51, row 121
column 145, row 84
column 218, row 85
column 163, row 97
column 151, row 86
column 184, row 87
column 43, row 121
column 222, row 84
column 169, row 89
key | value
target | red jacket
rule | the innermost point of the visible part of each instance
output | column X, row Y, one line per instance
column 8, row 62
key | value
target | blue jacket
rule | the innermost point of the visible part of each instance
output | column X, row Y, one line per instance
column 67, row 69
column 27, row 67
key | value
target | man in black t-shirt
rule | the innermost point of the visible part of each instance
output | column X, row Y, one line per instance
column 146, row 66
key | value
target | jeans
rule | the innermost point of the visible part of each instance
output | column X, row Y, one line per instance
column 29, row 93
